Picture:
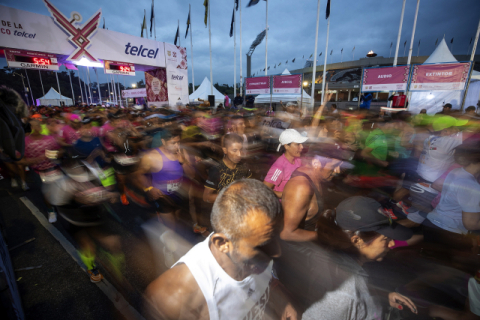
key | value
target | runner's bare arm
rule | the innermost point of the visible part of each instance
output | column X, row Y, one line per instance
column 295, row 202
column 175, row 295
column 145, row 167
column 188, row 168
column 271, row 186
column 209, row 195
column 471, row 220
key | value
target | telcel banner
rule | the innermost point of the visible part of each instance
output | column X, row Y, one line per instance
column 287, row 83
column 385, row 79
column 451, row 76
column 257, row 85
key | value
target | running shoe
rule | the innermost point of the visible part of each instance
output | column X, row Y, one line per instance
column 402, row 205
column 52, row 217
column 95, row 275
column 389, row 213
column 198, row 228
column 25, row 187
column 14, row 183
column 124, row 199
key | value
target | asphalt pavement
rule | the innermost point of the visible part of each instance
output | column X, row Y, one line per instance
column 53, row 284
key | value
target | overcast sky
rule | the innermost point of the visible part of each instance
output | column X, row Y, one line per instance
column 365, row 25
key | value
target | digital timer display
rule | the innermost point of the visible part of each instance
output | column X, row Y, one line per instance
column 42, row 61
column 120, row 68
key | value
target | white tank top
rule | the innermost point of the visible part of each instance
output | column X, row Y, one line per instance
column 227, row 299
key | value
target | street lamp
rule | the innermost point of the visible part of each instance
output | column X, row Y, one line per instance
column 134, row 85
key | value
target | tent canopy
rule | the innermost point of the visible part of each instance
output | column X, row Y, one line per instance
column 434, row 101
column 52, row 97
column 203, row 92
column 284, row 97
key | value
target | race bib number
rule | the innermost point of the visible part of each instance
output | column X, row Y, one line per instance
column 173, row 186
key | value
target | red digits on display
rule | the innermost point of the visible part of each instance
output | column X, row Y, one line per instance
column 126, row 69
column 41, row 61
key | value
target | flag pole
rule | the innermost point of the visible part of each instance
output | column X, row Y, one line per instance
column 399, row 34
column 80, row 84
column 325, row 63
column 98, row 88
column 71, row 86
column 314, row 62
column 474, row 48
column 234, row 53
column 85, row 89
column 413, row 34
column 58, row 85
column 30, row 88
column 119, row 94
column 41, row 82
column 241, row 75
column 154, row 25
column 210, row 45
column 109, row 98
column 266, row 38
column 191, row 47
column 89, row 87
column 395, row 59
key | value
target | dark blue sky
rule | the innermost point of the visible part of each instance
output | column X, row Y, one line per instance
column 367, row 25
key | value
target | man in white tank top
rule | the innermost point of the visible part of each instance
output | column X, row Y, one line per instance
column 228, row 276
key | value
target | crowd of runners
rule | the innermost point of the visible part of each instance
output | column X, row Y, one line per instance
column 288, row 207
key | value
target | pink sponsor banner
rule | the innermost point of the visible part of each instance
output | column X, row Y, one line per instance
column 287, row 83
column 385, row 79
column 134, row 93
column 257, row 85
column 450, row 76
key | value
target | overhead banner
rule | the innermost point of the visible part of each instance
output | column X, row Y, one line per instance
column 156, row 86
column 287, row 83
column 258, row 85
column 385, row 79
column 80, row 39
column 134, row 93
column 177, row 75
column 449, row 76
column 31, row 60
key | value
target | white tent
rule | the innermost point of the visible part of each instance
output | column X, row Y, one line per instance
column 203, row 92
column 284, row 97
column 433, row 101
column 54, row 98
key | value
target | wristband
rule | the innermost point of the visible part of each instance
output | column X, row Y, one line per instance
column 147, row 189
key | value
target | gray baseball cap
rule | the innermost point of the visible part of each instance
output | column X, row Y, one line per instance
column 365, row 214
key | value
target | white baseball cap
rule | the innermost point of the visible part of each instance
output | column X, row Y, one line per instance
column 290, row 135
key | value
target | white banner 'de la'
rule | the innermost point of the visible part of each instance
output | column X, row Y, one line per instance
column 25, row 30
column 177, row 75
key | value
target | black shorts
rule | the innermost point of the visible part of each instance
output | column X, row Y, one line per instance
column 170, row 203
